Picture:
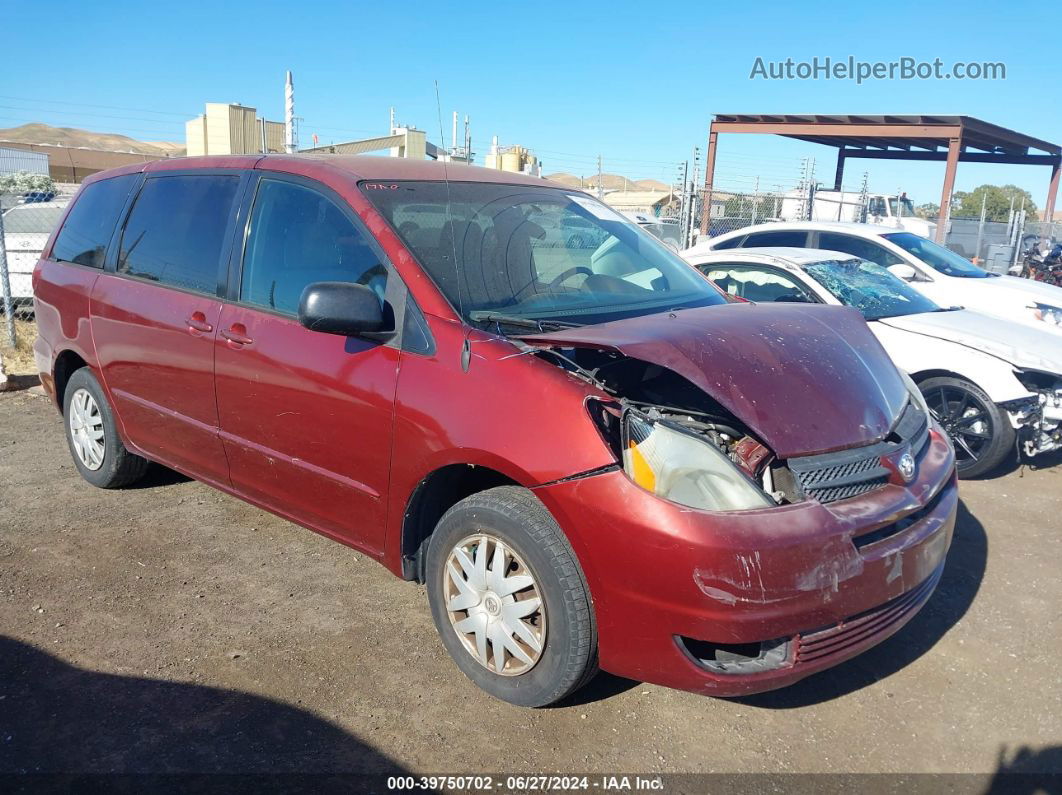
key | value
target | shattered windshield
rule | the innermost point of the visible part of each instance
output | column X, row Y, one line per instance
column 869, row 288
column 936, row 256
column 536, row 253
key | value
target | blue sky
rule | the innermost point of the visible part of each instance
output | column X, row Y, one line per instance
column 634, row 82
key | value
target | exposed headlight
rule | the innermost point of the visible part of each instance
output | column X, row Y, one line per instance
column 683, row 468
column 916, row 394
column 1048, row 313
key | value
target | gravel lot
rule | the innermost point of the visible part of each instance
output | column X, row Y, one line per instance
column 171, row 628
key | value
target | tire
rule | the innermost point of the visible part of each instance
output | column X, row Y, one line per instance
column 980, row 430
column 534, row 547
column 102, row 460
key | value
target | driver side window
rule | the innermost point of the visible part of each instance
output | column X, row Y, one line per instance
column 299, row 236
column 757, row 284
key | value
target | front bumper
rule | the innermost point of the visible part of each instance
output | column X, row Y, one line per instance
column 827, row 581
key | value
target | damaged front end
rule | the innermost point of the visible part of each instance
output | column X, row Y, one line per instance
column 678, row 443
column 1038, row 418
column 783, row 500
column 692, row 451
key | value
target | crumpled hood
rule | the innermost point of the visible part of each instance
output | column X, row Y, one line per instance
column 805, row 379
column 1018, row 344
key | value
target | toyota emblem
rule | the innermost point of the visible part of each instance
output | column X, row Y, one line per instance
column 907, row 467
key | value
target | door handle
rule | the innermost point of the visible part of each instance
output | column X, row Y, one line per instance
column 198, row 322
column 237, row 335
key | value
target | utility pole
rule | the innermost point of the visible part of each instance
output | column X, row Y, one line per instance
column 468, row 141
column 683, row 175
column 863, row 197
column 693, row 195
column 600, row 190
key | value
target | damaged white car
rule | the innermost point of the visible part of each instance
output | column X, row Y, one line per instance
column 995, row 385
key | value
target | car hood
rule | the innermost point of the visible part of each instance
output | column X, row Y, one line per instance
column 805, row 379
column 1016, row 343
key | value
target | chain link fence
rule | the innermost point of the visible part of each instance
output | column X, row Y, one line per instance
column 737, row 210
column 1000, row 246
column 30, row 208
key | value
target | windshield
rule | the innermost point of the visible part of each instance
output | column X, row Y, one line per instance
column 869, row 288
column 901, row 206
column 32, row 219
column 536, row 253
column 936, row 256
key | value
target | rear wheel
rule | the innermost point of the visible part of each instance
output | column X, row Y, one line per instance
column 509, row 599
column 92, row 435
column 979, row 429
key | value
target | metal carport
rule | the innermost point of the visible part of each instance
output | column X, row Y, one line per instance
column 935, row 138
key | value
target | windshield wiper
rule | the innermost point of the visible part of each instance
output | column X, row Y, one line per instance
column 500, row 319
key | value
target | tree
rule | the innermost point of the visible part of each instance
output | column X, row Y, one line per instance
column 928, row 210
column 997, row 202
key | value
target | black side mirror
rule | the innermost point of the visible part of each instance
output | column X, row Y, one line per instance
column 350, row 310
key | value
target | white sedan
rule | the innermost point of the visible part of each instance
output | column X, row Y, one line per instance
column 995, row 386
column 938, row 273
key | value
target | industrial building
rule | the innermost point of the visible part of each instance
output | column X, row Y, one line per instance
column 232, row 129
column 512, row 158
column 653, row 203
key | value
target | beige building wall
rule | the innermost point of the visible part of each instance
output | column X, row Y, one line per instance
column 274, row 136
column 195, row 136
column 226, row 129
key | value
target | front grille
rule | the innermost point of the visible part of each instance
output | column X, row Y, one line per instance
column 839, row 476
column 835, row 639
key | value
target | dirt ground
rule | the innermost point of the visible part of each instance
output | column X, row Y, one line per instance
column 170, row 628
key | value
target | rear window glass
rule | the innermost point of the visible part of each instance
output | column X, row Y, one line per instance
column 795, row 238
column 176, row 231
column 87, row 231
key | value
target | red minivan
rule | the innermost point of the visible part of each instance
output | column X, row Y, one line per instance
column 586, row 453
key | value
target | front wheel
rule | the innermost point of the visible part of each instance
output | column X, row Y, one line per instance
column 979, row 430
column 509, row 598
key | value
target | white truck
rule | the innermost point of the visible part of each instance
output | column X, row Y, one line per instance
column 834, row 205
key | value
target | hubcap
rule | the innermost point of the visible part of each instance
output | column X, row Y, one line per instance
column 965, row 419
column 86, row 429
column 494, row 605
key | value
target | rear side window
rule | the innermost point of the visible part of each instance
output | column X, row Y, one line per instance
column 299, row 236
column 795, row 238
column 87, row 231
column 176, row 231
column 858, row 247
column 733, row 242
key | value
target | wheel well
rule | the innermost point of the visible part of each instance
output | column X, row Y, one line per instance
column 919, row 377
column 433, row 497
column 65, row 365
